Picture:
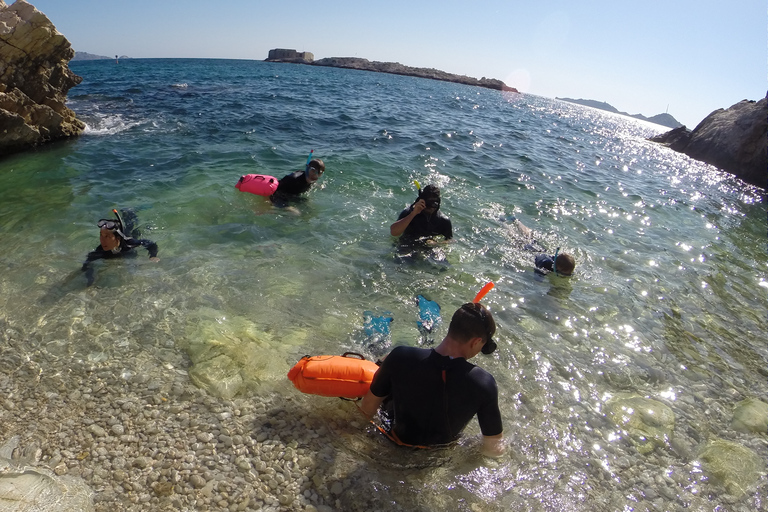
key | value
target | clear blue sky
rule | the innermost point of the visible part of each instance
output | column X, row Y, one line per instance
column 693, row 55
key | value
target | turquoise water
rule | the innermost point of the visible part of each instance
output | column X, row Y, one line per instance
column 668, row 300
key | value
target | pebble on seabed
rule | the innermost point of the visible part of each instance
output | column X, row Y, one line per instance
column 140, row 447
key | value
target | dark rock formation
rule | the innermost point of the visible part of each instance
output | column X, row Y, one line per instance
column 34, row 80
column 395, row 68
column 734, row 140
column 661, row 119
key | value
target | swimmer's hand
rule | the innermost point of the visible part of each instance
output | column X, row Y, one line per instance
column 419, row 205
column 493, row 446
column 154, row 258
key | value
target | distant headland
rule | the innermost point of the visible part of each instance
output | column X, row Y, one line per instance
column 662, row 119
column 90, row 56
column 395, row 68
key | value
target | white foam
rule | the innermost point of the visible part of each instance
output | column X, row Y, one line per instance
column 107, row 124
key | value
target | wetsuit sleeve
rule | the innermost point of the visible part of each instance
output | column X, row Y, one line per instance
column 381, row 385
column 544, row 264
column 448, row 229
column 151, row 247
column 96, row 254
column 488, row 415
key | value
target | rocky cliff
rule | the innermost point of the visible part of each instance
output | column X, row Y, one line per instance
column 34, row 80
column 733, row 139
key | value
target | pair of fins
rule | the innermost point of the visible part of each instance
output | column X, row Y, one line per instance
column 377, row 327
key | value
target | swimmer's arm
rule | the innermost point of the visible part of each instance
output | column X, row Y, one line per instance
column 151, row 248
column 398, row 227
column 371, row 404
column 493, row 446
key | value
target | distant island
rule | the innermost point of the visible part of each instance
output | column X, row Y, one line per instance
column 395, row 68
column 662, row 119
column 90, row 56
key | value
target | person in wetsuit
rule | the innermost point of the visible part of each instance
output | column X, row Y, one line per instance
column 115, row 243
column 296, row 183
column 419, row 224
column 561, row 263
column 434, row 393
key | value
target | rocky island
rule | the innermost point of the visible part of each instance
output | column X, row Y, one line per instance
column 395, row 68
column 34, row 80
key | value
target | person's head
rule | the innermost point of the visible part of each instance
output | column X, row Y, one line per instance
column 109, row 239
column 315, row 169
column 431, row 196
column 110, row 233
column 471, row 321
column 564, row 263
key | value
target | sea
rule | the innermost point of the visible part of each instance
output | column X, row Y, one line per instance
column 667, row 304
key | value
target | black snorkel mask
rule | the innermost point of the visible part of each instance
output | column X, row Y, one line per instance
column 430, row 200
column 116, row 226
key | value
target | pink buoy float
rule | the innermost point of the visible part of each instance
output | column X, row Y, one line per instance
column 259, row 184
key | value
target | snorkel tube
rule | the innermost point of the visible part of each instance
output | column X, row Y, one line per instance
column 121, row 230
column 483, row 292
column 490, row 346
column 309, row 159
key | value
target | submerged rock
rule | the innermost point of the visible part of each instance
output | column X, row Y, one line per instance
column 34, row 80
column 751, row 415
column 731, row 465
column 734, row 140
column 648, row 422
column 229, row 355
column 26, row 488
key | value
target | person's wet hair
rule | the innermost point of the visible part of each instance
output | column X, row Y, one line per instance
column 565, row 264
column 472, row 320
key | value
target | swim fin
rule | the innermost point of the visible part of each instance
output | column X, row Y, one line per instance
column 429, row 315
column 376, row 327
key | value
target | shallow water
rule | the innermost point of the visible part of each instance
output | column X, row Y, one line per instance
column 668, row 300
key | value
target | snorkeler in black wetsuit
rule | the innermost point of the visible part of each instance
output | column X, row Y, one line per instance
column 116, row 243
column 294, row 184
column 418, row 224
column 435, row 393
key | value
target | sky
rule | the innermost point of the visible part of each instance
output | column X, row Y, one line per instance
column 687, row 57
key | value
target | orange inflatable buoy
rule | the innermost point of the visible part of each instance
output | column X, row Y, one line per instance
column 337, row 376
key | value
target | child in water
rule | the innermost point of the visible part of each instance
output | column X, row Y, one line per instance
column 560, row 263
column 114, row 242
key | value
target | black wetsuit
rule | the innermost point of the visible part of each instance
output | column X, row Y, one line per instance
column 293, row 184
column 434, row 396
column 125, row 248
column 544, row 264
column 425, row 225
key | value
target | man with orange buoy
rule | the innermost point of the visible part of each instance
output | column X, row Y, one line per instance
column 436, row 392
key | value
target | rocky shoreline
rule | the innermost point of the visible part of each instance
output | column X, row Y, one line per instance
column 396, row 68
column 733, row 139
column 112, row 437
